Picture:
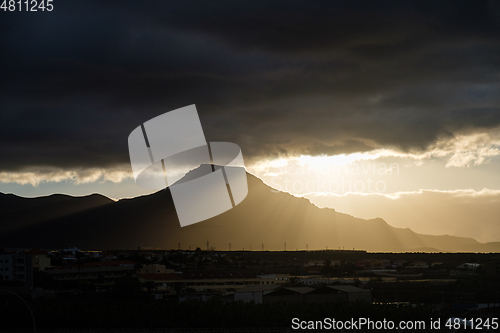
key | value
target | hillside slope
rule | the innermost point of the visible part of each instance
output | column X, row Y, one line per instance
column 265, row 217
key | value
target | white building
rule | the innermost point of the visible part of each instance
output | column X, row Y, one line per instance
column 17, row 267
column 469, row 265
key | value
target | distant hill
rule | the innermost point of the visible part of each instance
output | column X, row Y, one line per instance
column 19, row 212
column 266, row 217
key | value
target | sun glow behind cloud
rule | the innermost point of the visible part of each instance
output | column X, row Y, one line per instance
column 413, row 194
column 462, row 150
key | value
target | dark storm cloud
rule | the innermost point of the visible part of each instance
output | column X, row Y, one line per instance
column 277, row 78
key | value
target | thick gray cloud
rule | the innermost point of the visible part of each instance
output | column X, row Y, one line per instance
column 277, row 78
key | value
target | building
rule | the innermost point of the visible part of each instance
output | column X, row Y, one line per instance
column 278, row 278
column 336, row 293
column 164, row 283
column 313, row 280
column 92, row 254
column 469, row 266
column 418, row 265
column 253, row 293
column 73, row 250
column 312, row 263
column 103, row 274
column 39, row 259
column 368, row 265
column 195, row 296
column 17, row 267
column 223, row 283
column 290, row 294
column 156, row 269
column 325, row 294
column 354, row 293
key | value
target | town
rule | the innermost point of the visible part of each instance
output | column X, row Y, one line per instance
column 447, row 284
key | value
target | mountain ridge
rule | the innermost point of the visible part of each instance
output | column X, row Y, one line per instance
column 266, row 217
column 20, row 211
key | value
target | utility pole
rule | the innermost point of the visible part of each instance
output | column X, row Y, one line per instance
column 207, row 245
column 262, row 247
column 285, row 246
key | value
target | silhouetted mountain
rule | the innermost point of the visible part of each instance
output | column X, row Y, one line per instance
column 19, row 212
column 266, row 217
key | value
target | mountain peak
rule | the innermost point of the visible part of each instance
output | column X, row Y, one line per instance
column 266, row 216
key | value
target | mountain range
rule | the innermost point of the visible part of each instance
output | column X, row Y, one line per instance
column 266, row 217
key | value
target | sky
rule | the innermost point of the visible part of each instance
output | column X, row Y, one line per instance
column 374, row 108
